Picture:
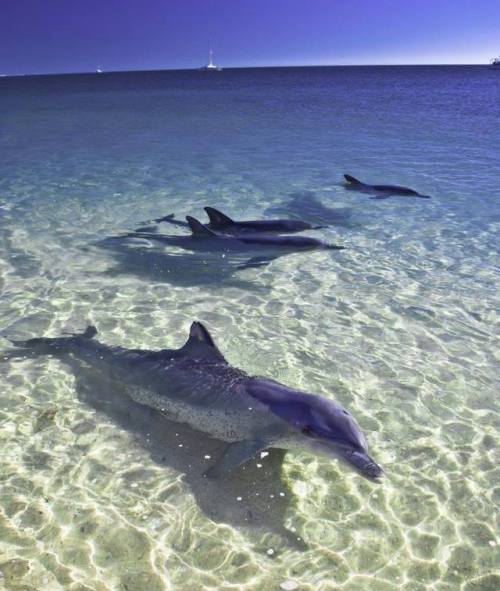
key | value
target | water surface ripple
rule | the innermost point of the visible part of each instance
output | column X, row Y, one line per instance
column 98, row 493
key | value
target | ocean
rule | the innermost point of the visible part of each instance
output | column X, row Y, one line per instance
column 401, row 327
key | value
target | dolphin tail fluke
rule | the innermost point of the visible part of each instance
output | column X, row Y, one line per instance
column 234, row 455
column 353, row 181
column 217, row 218
column 165, row 218
column 170, row 219
column 49, row 346
column 198, row 229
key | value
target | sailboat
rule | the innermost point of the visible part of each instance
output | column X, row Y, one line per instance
column 211, row 67
column 495, row 62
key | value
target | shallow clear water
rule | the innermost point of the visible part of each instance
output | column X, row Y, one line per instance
column 401, row 327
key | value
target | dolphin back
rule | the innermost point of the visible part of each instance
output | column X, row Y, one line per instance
column 396, row 190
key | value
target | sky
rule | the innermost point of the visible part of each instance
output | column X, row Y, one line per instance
column 57, row 36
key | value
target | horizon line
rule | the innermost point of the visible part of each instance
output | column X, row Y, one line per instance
column 201, row 69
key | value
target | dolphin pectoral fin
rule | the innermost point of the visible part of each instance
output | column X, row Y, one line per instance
column 380, row 197
column 234, row 455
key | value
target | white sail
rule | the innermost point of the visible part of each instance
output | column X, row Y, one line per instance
column 211, row 66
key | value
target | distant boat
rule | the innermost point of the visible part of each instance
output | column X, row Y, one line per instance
column 211, row 67
column 495, row 62
column 98, row 71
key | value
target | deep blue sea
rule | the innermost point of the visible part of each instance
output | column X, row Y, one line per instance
column 401, row 327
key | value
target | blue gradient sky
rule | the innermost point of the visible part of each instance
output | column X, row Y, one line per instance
column 38, row 36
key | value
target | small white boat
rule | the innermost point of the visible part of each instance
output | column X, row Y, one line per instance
column 98, row 71
column 211, row 67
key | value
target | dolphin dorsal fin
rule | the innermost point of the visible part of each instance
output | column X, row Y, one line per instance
column 198, row 229
column 217, row 218
column 352, row 180
column 201, row 345
column 200, row 334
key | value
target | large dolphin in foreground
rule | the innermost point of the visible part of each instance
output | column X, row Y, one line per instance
column 195, row 385
column 381, row 191
column 220, row 222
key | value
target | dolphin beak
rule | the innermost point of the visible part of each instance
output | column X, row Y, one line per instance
column 364, row 464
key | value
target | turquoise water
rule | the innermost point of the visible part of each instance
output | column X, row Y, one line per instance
column 401, row 327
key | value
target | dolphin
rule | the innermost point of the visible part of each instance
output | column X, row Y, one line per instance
column 382, row 191
column 262, row 247
column 196, row 386
column 220, row 222
column 223, row 223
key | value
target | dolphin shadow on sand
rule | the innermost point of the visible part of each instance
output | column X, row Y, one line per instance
column 182, row 269
column 306, row 206
column 253, row 499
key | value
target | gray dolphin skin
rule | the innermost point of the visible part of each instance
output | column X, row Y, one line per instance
column 382, row 191
column 195, row 385
column 220, row 222
column 265, row 246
